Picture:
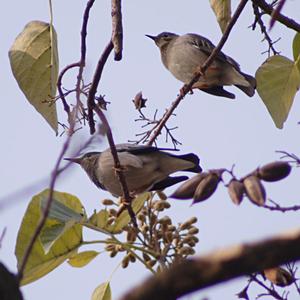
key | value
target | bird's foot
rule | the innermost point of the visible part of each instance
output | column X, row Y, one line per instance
column 184, row 90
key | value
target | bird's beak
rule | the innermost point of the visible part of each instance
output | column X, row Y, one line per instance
column 76, row 160
column 151, row 37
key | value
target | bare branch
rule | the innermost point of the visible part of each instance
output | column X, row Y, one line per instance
column 202, row 69
column 92, row 106
column 288, row 22
column 216, row 267
column 92, row 92
column 117, row 29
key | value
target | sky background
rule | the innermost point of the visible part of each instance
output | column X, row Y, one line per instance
column 222, row 132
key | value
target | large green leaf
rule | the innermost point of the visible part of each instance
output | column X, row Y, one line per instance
column 102, row 292
column 222, row 10
column 34, row 62
column 81, row 259
column 278, row 80
column 40, row 263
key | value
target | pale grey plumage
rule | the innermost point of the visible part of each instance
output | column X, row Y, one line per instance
column 183, row 55
column 145, row 168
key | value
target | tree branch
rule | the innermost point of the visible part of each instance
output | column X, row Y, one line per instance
column 92, row 106
column 117, row 28
column 93, row 89
column 288, row 22
column 202, row 69
column 219, row 266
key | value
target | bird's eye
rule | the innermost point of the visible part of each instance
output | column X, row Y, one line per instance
column 166, row 35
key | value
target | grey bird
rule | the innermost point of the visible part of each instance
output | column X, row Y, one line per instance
column 182, row 55
column 146, row 168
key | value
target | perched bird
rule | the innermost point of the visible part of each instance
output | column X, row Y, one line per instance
column 146, row 168
column 182, row 55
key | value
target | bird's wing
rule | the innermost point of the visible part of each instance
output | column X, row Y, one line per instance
column 206, row 46
column 139, row 149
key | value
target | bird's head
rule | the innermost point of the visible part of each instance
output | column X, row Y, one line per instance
column 87, row 161
column 163, row 39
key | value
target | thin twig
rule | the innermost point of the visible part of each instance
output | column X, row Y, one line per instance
column 263, row 30
column 288, row 22
column 59, row 86
column 117, row 28
column 276, row 12
column 45, row 210
column 186, row 88
column 277, row 207
column 93, row 89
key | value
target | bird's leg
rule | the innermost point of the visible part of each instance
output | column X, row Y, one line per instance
column 184, row 90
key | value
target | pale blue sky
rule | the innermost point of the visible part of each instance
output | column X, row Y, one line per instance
column 222, row 132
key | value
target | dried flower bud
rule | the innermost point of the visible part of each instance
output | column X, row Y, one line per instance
column 159, row 205
column 141, row 218
column 131, row 257
column 187, row 224
column 186, row 251
column 165, row 220
column 113, row 253
column 107, row 202
column 139, row 101
column 274, row 171
column 112, row 212
column 187, row 189
column 193, row 230
column 255, row 190
column 171, row 228
column 125, row 262
column 131, row 236
column 236, row 191
column 279, row 276
column 161, row 195
column 110, row 247
column 206, row 187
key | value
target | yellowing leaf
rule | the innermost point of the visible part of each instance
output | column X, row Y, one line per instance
column 278, row 80
column 296, row 49
column 222, row 10
column 81, row 259
column 34, row 62
column 39, row 263
column 102, row 292
column 296, row 46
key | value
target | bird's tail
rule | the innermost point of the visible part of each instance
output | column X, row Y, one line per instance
column 193, row 158
column 250, row 89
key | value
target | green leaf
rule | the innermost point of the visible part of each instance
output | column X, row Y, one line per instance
column 81, row 259
column 124, row 218
column 296, row 50
column 34, row 62
column 296, row 46
column 102, row 292
column 222, row 10
column 278, row 80
column 40, row 263
column 60, row 212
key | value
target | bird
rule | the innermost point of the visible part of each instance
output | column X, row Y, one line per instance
column 183, row 55
column 146, row 168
